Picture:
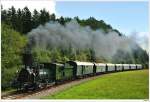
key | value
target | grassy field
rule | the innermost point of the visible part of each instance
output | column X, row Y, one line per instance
column 122, row 85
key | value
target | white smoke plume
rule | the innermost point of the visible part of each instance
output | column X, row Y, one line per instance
column 54, row 35
column 141, row 38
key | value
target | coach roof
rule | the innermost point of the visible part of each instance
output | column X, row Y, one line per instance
column 83, row 63
column 100, row 64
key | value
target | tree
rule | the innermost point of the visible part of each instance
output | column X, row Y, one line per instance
column 35, row 18
column 12, row 45
column 61, row 20
column 93, row 56
column 52, row 17
column 41, row 55
column 19, row 24
column 3, row 14
column 11, row 17
column 26, row 19
column 77, row 18
column 44, row 17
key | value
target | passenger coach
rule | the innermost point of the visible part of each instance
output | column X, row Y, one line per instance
column 100, row 68
column 81, row 68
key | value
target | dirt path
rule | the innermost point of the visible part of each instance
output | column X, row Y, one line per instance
column 58, row 88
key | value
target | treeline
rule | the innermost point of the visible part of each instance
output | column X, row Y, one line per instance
column 17, row 23
column 23, row 20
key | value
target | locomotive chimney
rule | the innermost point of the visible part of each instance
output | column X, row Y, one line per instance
column 27, row 57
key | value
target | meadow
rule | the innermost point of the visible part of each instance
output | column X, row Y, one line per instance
column 121, row 85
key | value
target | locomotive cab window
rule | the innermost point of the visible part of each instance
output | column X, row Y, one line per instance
column 42, row 71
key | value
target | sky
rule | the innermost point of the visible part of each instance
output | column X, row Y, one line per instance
column 125, row 16
column 130, row 18
column 32, row 4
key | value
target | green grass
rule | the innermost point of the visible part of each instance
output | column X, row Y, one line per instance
column 122, row 85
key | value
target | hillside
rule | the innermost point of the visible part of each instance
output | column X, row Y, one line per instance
column 122, row 85
column 61, row 39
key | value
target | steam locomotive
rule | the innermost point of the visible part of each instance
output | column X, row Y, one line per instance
column 42, row 74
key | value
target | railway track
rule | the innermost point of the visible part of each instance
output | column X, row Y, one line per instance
column 14, row 96
column 21, row 94
column 51, row 89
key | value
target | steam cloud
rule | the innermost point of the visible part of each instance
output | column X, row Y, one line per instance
column 54, row 35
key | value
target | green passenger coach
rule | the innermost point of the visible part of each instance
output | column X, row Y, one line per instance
column 81, row 68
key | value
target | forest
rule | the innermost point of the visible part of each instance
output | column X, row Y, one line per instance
column 17, row 23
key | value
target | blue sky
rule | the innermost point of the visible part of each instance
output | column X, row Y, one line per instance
column 127, row 17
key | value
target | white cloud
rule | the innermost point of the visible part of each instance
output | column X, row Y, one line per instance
column 49, row 5
column 142, row 39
